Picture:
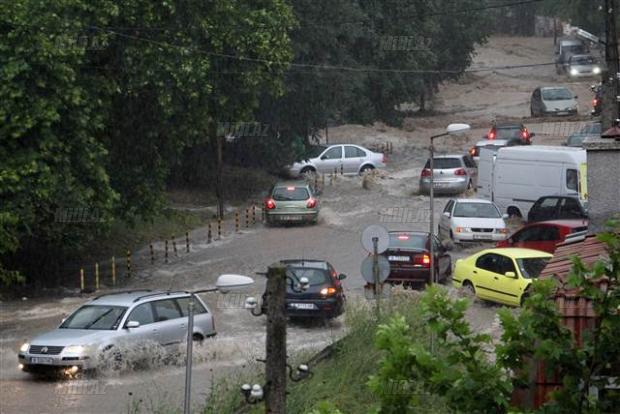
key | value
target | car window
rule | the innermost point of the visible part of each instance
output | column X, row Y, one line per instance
column 469, row 162
column 532, row 267
column 571, row 179
column 184, row 305
column 575, row 140
column 315, row 276
column 505, row 264
column 407, row 241
column 508, row 132
column 98, row 317
column 549, row 233
column 334, row 153
column 548, row 203
column 557, row 94
column 528, row 234
column 290, row 193
column 490, row 262
column 166, row 309
column 444, row 163
column 448, row 207
column 313, row 152
column 353, row 152
column 570, row 208
column 143, row 314
column 479, row 210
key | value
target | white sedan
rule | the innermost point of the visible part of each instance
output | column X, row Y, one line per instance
column 472, row 219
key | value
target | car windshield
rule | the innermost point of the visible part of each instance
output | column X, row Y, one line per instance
column 290, row 193
column 558, row 94
column 315, row 276
column 407, row 241
column 593, row 128
column 531, row 267
column 582, row 60
column 574, row 49
column 314, row 151
column 97, row 317
column 508, row 132
column 443, row 163
column 575, row 140
column 479, row 210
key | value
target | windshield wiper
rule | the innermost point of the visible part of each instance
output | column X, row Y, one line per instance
column 98, row 319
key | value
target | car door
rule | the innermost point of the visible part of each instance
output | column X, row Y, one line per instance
column 147, row 331
column 508, row 289
column 444, row 220
column 330, row 160
column 570, row 208
column 169, row 322
column 444, row 260
column 472, row 169
column 529, row 238
column 203, row 320
column 485, row 270
column 353, row 158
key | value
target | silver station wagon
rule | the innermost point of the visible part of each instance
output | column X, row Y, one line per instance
column 105, row 328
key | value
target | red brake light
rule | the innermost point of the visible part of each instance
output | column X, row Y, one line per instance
column 290, row 188
column 594, row 102
column 491, row 134
column 403, row 237
column 472, row 151
column 460, row 171
column 311, row 203
column 426, row 172
column 328, row 291
column 270, row 204
column 423, row 260
column 524, row 134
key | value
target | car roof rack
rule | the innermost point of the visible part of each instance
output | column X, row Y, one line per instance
column 120, row 292
column 169, row 292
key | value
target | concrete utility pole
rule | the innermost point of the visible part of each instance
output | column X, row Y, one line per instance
column 611, row 82
column 275, row 386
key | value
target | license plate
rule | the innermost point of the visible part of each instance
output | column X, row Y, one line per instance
column 302, row 305
column 482, row 237
column 398, row 258
column 440, row 184
column 38, row 360
column 290, row 218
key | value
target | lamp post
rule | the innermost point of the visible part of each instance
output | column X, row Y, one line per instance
column 224, row 284
column 452, row 129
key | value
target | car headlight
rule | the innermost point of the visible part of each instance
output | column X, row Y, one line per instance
column 24, row 347
column 596, row 70
column 74, row 349
column 502, row 231
column 463, row 230
column 574, row 72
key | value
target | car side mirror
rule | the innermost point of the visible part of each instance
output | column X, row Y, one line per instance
column 342, row 276
column 505, row 216
column 512, row 275
column 323, row 157
column 132, row 324
column 446, row 213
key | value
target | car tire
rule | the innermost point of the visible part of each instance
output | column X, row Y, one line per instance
column 366, row 169
column 469, row 288
column 524, row 296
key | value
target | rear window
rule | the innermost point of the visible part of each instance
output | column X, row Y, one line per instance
column 444, row 163
column 507, row 133
column 314, row 276
column 407, row 241
column 479, row 210
column 290, row 193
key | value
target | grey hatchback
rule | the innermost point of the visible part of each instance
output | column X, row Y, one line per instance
column 452, row 174
column 101, row 330
column 291, row 202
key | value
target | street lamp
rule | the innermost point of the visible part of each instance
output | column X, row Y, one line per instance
column 224, row 284
column 452, row 129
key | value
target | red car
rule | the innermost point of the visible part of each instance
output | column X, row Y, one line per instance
column 545, row 235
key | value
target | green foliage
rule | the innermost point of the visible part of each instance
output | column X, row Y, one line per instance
column 457, row 373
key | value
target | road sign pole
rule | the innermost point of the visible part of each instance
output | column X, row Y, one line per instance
column 375, row 274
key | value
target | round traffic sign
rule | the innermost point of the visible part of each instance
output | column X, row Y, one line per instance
column 375, row 231
column 384, row 269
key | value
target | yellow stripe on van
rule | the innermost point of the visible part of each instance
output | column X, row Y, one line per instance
column 583, row 181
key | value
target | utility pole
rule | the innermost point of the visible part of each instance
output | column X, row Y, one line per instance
column 275, row 386
column 611, row 81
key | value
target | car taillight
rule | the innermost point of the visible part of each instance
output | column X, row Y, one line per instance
column 426, row 172
column 423, row 260
column 491, row 134
column 270, row 204
column 328, row 291
column 525, row 134
column 311, row 203
column 594, row 102
column 460, row 171
column 473, row 152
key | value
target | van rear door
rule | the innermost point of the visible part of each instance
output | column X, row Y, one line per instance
column 485, row 173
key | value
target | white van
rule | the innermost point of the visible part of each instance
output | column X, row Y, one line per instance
column 515, row 177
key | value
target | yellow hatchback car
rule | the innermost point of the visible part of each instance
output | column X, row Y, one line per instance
column 500, row 275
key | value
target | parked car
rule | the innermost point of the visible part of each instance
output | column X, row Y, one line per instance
column 553, row 100
column 509, row 131
column 500, row 275
column 452, row 174
column 409, row 255
column 593, row 129
column 291, row 202
column 556, row 208
column 597, row 101
column 493, row 145
column 545, row 235
column 351, row 159
column 471, row 219
column 565, row 49
column 324, row 297
column 101, row 330
column 580, row 66
column 515, row 177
